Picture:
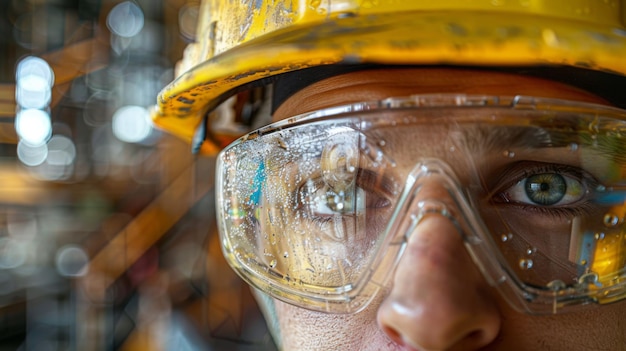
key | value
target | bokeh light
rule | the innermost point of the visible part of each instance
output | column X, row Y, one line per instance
column 125, row 19
column 131, row 124
column 188, row 20
column 107, row 224
column 32, row 91
column 31, row 155
column 35, row 66
column 33, row 126
column 12, row 253
column 61, row 151
column 72, row 261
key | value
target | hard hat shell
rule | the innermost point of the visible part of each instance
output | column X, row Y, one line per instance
column 249, row 42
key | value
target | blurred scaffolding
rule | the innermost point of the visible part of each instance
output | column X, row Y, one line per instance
column 107, row 229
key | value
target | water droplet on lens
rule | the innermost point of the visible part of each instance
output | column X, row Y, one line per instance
column 526, row 263
column 573, row 146
column 273, row 263
column 508, row 153
column 599, row 236
column 531, row 250
column 286, row 254
column 506, row 237
column 610, row 220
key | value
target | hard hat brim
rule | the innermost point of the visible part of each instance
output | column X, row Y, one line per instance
column 411, row 38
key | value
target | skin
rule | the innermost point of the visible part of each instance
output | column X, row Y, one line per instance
column 438, row 299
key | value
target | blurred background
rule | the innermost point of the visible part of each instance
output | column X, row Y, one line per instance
column 107, row 228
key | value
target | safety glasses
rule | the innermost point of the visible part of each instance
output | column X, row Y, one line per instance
column 317, row 209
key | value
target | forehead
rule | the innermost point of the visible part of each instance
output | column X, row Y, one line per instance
column 378, row 84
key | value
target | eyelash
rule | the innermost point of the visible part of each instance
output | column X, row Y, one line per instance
column 560, row 213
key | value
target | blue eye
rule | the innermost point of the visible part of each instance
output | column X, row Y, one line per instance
column 546, row 189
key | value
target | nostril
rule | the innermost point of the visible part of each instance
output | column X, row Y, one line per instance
column 393, row 335
column 476, row 337
column 397, row 338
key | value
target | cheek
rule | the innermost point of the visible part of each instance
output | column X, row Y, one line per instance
column 597, row 328
column 308, row 330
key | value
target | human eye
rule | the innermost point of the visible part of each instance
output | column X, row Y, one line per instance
column 546, row 187
column 321, row 201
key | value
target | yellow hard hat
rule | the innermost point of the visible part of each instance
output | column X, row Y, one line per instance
column 243, row 43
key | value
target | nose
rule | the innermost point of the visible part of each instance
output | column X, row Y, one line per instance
column 439, row 299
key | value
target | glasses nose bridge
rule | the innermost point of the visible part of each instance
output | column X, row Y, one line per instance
column 432, row 188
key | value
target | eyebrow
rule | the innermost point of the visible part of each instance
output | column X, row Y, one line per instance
column 487, row 139
column 479, row 138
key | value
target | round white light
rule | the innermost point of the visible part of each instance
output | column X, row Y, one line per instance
column 125, row 19
column 32, row 91
column 31, row 155
column 33, row 126
column 72, row 261
column 131, row 124
column 34, row 66
column 61, row 151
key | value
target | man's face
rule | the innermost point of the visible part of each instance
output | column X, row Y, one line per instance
column 438, row 299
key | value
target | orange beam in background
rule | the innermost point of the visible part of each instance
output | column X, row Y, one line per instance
column 78, row 59
column 149, row 226
column 7, row 100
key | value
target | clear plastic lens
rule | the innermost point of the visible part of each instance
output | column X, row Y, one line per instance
column 316, row 211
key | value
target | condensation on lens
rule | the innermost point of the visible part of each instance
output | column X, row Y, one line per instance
column 526, row 263
column 611, row 220
column 339, row 161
